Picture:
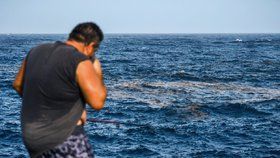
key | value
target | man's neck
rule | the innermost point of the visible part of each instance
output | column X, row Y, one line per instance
column 79, row 46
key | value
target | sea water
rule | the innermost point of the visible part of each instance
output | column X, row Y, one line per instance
column 177, row 95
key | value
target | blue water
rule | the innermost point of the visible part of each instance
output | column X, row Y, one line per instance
column 200, row 95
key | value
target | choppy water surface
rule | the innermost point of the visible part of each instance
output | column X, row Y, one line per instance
column 214, row 95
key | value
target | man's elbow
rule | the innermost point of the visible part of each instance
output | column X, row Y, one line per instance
column 17, row 87
column 103, row 97
column 99, row 102
column 98, row 105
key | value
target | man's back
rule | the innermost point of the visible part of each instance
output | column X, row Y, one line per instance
column 52, row 101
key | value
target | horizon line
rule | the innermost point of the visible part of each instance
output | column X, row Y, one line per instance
column 135, row 33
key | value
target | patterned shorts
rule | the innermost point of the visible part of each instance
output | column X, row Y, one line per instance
column 75, row 146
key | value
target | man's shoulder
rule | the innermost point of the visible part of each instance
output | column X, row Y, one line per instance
column 42, row 47
column 59, row 48
column 70, row 52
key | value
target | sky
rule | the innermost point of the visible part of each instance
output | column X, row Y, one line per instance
column 141, row 16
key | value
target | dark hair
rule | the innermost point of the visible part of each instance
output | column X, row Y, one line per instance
column 86, row 33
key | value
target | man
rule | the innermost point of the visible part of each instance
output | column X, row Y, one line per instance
column 55, row 81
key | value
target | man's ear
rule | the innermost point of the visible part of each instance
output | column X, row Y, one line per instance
column 93, row 44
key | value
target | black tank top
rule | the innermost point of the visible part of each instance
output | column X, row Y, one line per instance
column 52, row 101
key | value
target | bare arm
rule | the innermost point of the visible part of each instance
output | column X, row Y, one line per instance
column 18, row 82
column 90, row 80
column 97, row 68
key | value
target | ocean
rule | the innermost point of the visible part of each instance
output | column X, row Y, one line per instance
column 174, row 95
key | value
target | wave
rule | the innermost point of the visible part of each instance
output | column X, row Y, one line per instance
column 238, row 40
column 139, row 150
column 237, row 110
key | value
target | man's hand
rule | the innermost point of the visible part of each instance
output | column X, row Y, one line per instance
column 83, row 118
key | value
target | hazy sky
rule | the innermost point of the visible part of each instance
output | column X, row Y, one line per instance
column 141, row 16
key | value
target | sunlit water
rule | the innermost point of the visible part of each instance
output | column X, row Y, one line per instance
column 214, row 95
